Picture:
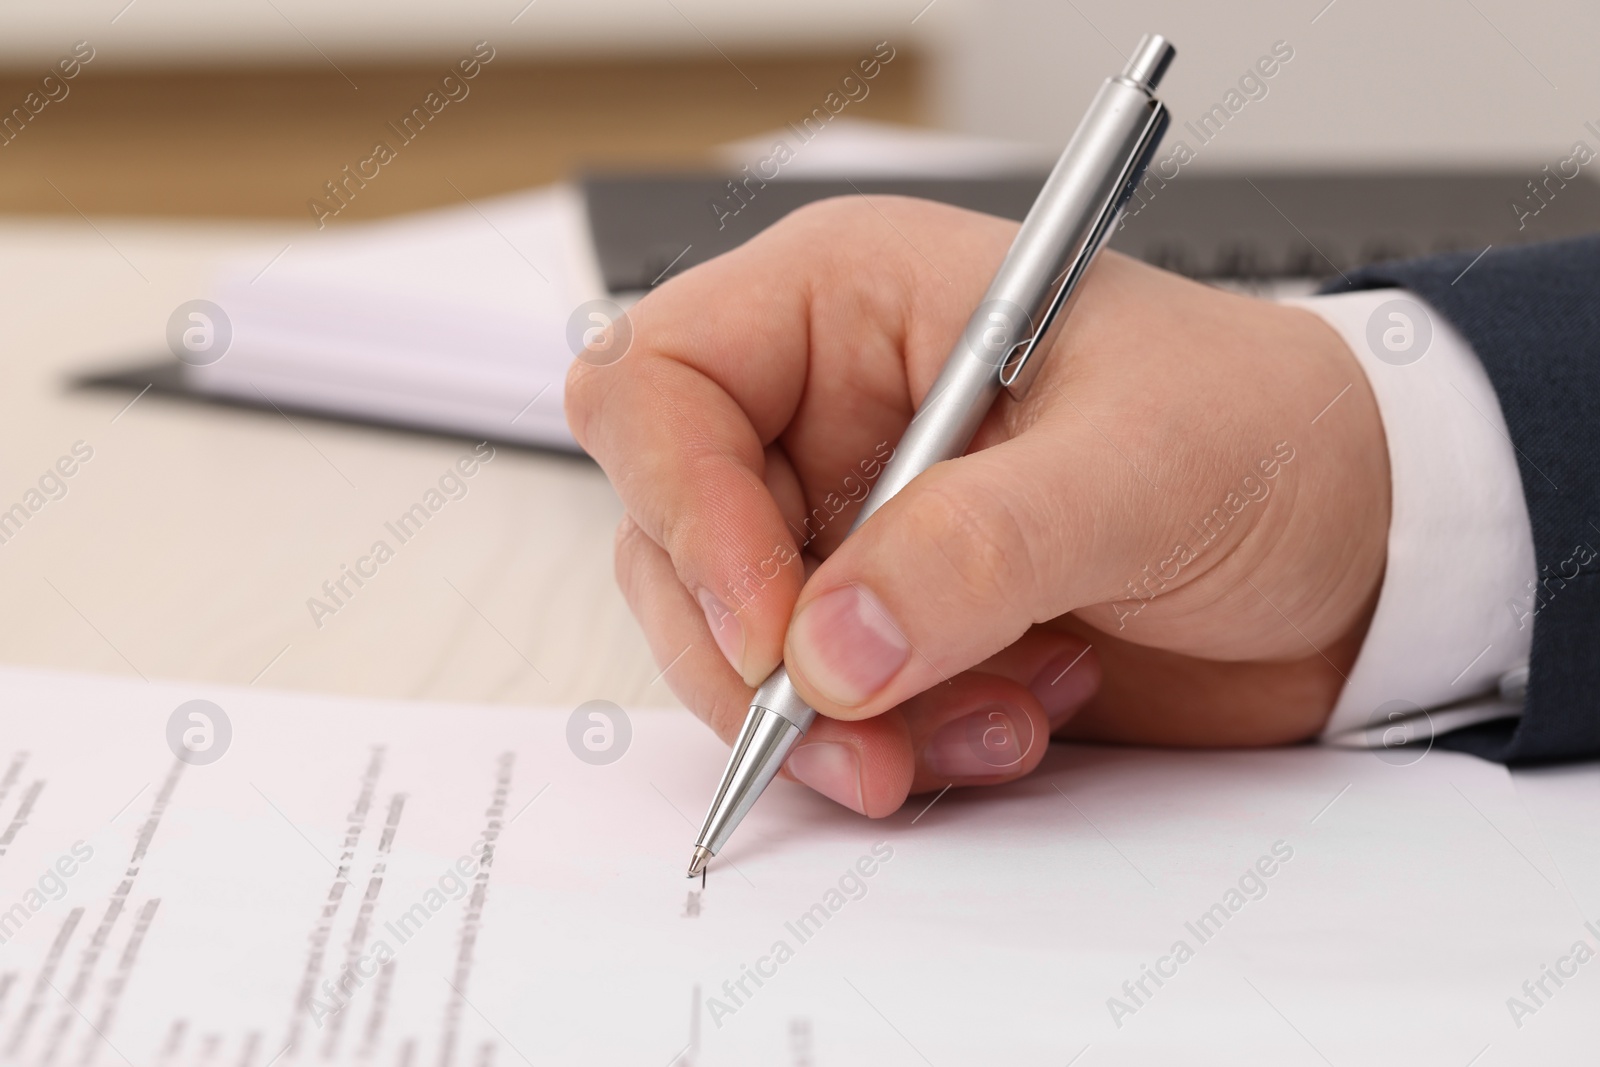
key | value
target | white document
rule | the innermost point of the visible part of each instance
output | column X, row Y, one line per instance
column 865, row 148
column 454, row 319
column 460, row 319
column 389, row 883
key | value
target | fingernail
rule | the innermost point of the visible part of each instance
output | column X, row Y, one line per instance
column 832, row 769
column 845, row 644
column 980, row 745
column 1065, row 684
column 725, row 627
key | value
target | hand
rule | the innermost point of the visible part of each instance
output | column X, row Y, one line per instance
column 1173, row 540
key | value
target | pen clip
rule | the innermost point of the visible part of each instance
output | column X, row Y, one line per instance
column 1019, row 369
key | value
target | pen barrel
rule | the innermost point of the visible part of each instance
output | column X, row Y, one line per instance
column 1062, row 230
column 1008, row 334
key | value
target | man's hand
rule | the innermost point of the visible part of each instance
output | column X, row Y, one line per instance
column 1177, row 538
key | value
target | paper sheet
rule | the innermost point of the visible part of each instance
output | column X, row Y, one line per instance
column 323, row 892
column 455, row 319
column 856, row 148
column 1564, row 801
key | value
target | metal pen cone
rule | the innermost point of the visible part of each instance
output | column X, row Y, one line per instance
column 758, row 752
column 698, row 861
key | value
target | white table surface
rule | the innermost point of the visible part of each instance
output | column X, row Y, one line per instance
column 188, row 546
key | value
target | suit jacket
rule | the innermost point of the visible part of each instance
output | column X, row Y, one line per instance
column 1532, row 314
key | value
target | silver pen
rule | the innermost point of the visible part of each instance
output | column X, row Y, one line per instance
column 1018, row 320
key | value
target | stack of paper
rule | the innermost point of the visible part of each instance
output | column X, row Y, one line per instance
column 863, row 148
column 356, row 882
column 452, row 320
column 461, row 319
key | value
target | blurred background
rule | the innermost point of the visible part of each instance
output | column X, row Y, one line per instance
column 179, row 161
column 245, row 107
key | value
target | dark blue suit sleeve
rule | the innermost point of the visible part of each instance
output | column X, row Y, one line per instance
column 1532, row 314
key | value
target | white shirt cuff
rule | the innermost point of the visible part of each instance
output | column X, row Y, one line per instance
column 1450, row 636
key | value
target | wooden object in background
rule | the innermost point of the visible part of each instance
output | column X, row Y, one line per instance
column 261, row 143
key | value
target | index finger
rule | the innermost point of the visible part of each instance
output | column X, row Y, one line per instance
column 724, row 362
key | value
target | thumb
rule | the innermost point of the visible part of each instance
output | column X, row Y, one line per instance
column 961, row 562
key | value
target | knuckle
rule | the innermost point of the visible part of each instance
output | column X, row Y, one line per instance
column 975, row 538
column 831, row 213
column 626, row 554
column 580, row 398
column 829, row 228
column 726, row 711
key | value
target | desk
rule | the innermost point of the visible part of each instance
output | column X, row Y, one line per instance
column 246, row 142
column 188, row 545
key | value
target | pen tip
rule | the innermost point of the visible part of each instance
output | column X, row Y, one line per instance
column 698, row 861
